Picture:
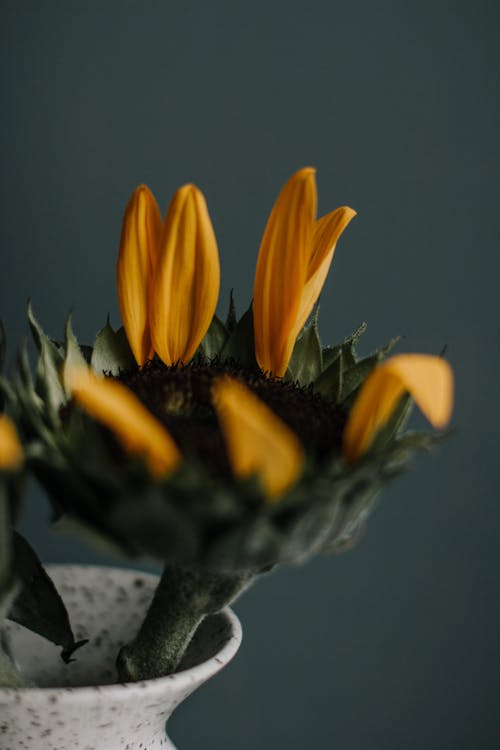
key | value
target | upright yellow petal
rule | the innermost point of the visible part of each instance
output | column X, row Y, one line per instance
column 11, row 453
column 327, row 231
column 139, row 246
column 187, row 278
column 258, row 442
column 281, row 272
column 428, row 379
column 116, row 407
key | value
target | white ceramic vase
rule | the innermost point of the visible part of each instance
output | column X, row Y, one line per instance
column 80, row 706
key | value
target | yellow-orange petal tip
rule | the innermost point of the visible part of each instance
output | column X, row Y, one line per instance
column 258, row 442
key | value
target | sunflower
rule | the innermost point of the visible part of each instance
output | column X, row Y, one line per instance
column 221, row 448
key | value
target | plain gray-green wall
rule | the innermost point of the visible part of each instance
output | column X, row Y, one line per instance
column 397, row 103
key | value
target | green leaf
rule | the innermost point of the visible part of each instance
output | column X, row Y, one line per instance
column 388, row 432
column 214, row 339
column 240, row 345
column 111, row 352
column 402, row 450
column 306, row 362
column 38, row 605
column 231, row 314
column 355, row 375
column 47, row 380
column 41, row 339
column 23, row 367
column 330, row 382
column 347, row 347
column 73, row 354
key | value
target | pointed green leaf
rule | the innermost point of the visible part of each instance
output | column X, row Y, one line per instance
column 347, row 347
column 389, row 431
column 47, row 380
column 214, row 339
column 24, row 367
column 231, row 314
column 73, row 354
column 329, row 383
column 48, row 383
column 240, row 345
column 306, row 362
column 355, row 375
column 38, row 605
column 41, row 339
column 111, row 352
column 402, row 450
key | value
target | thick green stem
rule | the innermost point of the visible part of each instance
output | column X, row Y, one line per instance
column 184, row 597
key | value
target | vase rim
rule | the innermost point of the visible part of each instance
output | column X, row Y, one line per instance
column 184, row 678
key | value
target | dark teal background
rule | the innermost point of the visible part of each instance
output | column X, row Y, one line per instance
column 396, row 643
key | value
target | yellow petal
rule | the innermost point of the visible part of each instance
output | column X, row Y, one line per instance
column 11, row 453
column 327, row 231
column 139, row 245
column 116, row 407
column 428, row 379
column 258, row 442
column 281, row 272
column 187, row 278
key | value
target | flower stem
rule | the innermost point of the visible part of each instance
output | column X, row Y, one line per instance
column 184, row 597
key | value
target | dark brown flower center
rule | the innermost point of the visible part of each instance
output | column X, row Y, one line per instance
column 180, row 398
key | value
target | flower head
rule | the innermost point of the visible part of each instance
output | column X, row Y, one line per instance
column 256, row 450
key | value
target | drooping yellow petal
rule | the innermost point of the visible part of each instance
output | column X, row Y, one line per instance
column 116, row 407
column 11, row 453
column 281, row 272
column 186, row 284
column 139, row 247
column 428, row 379
column 327, row 231
column 258, row 442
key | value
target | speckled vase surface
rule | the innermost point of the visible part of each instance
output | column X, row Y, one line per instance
column 79, row 706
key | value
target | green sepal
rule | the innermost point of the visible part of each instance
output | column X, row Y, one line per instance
column 356, row 374
column 329, row 383
column 405, row 447
column 240, row 345
column 111, row 351
column 73, row 356
column 38, row 605
column 47, row 377
column 34, row 415
column 347, row 347
column 390, row 430
column 214, row 339
column 231, row 319
column 306, row 362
